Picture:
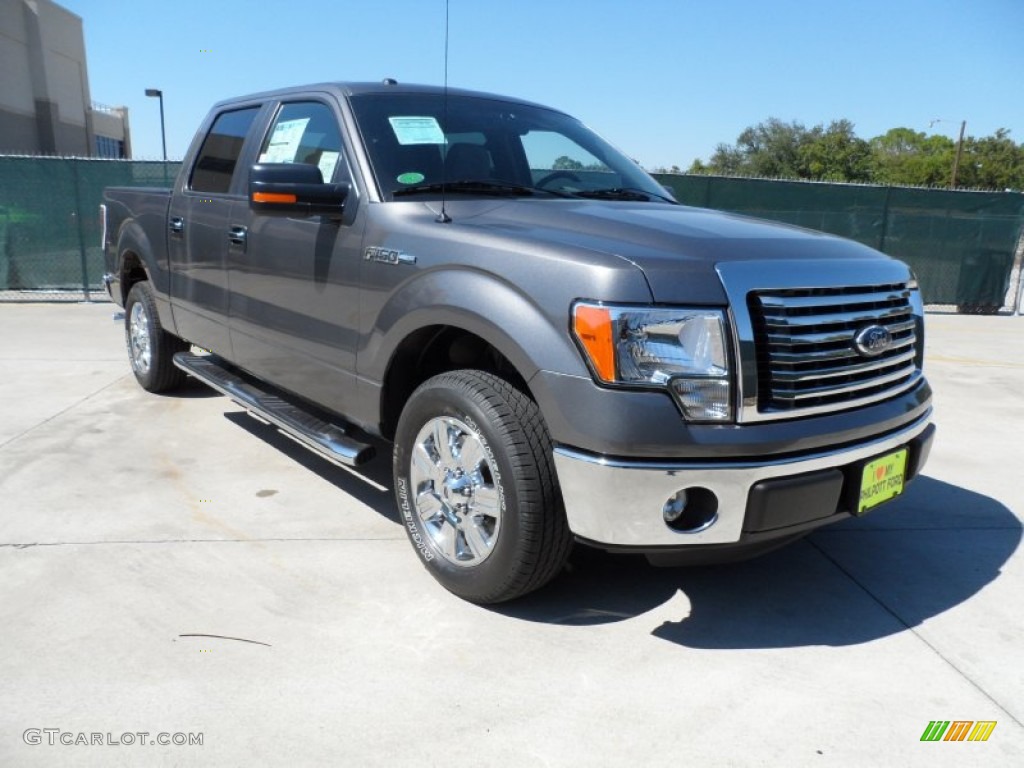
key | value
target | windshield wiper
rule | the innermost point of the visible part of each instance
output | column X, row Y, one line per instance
column 623, row 193
column 474, row 187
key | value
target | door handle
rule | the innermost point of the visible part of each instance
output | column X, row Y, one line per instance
column 237, row 235
column 176, row 225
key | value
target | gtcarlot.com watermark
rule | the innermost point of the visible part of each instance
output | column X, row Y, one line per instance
column 56, row 736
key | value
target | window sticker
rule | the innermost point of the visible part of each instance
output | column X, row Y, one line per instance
column 412, row 177
column 284, row 141
column 417, row 130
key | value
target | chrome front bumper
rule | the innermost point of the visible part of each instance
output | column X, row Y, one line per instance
column 620, row 502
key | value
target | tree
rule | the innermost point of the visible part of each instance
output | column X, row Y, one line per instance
column 566, row 163
column 993, row 162
column 906, row 156
column 772, row 148
column 836, row 154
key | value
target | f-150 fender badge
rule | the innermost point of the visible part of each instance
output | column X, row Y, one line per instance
column 388, row 256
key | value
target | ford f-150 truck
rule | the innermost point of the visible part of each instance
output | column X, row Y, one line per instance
column 556, row 349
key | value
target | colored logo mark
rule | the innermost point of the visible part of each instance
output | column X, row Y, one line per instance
column 958, row 730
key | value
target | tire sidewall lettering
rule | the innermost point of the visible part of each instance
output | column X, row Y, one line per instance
column 409, row 520
column 494, row 464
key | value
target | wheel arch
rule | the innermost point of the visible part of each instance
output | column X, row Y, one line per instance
column 450, row 319
column 137, row 261
column 432, row 350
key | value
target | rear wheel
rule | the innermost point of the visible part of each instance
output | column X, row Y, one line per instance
column 150, row 347
column 476, row 487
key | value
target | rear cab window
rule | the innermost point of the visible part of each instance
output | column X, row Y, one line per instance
column 218, row 156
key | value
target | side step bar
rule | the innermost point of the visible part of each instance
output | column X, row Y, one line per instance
column 324, row 438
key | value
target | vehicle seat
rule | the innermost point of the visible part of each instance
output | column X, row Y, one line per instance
column 468, row 162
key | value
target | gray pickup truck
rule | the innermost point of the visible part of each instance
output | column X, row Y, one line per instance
column 555, row 348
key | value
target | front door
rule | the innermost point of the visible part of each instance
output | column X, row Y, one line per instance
column 294, row 285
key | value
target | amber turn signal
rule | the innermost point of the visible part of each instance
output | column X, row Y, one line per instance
column 273, row 197
column 593, row 327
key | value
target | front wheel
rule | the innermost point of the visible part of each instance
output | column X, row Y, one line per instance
column 476, row 488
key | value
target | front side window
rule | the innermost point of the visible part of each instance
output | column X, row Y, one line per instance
column 484, row 146
column 304, row 132
column 218, row 156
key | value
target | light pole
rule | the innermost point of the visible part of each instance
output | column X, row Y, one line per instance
column 163, row 135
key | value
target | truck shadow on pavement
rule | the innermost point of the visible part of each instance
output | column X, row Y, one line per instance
column 849, row 583
column 369, row 484
column 853, row 582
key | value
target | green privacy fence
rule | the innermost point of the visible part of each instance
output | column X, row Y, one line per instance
column 961, row 244
column 50, row 226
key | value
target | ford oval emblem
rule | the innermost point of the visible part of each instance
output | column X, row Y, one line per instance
column 873, row 340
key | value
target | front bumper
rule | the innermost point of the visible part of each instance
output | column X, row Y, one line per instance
column 618, row 503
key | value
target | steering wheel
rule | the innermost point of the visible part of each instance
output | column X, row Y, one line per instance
column 555, row 176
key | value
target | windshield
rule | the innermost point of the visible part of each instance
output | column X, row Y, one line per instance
column 415, row 142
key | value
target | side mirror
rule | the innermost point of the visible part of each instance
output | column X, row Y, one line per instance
column 294, row 188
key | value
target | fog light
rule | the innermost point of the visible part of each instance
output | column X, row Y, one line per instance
column 674, row 507
column 691, row 510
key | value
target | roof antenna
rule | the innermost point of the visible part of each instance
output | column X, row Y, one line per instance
column 443, row 217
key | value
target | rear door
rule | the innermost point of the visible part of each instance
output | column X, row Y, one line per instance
column 294, row 288
column 199, row 231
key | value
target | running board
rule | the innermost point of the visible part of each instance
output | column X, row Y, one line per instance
column 322, row 437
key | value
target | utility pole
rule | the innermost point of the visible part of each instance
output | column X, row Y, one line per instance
column 956, row 159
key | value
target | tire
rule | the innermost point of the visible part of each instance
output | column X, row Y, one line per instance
column 150, row 347
column 476, row 487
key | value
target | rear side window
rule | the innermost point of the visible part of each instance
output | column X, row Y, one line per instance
column 221, row 148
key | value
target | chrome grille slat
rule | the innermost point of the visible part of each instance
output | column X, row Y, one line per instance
column 829, row 337
column 793, row 358
column 850, row 299
column 846, row 388
column 844, row 370
column 805, row 349
column 835, row 318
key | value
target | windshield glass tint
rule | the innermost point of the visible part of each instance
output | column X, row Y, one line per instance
column 413, row 140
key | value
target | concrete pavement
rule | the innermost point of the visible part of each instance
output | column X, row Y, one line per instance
column 171, row 566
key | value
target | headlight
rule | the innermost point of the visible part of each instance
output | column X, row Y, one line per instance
column 681, row 350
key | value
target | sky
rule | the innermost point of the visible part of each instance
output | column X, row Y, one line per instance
column 664, row 80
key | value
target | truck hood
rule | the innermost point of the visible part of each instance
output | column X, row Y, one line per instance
column 676, row 247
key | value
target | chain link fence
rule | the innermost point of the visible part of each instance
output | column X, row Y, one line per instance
column 966, row 247
column 50, row 227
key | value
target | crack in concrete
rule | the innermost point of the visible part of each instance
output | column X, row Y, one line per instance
column 225, row 637
column 61, row 412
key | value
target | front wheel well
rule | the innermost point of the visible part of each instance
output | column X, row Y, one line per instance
column 430, row 351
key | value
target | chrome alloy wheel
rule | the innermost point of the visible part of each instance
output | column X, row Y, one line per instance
column 139, row 338
column 454, row 491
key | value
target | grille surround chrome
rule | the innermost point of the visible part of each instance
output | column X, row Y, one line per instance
column 776, row 306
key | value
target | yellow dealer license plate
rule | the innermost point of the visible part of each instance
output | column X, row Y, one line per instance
column 882, row 480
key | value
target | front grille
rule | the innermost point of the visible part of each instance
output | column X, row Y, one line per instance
column 806, row 356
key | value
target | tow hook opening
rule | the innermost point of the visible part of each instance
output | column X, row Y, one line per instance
column 691, row 510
